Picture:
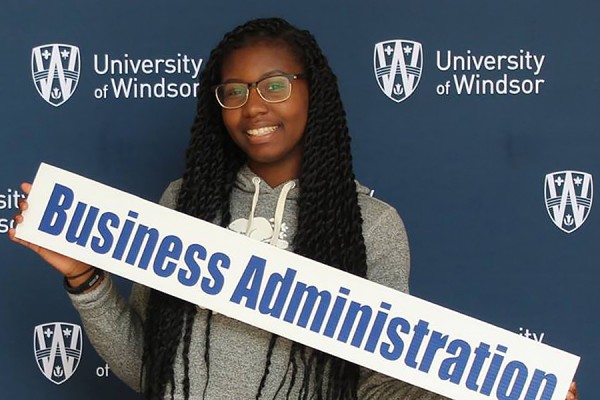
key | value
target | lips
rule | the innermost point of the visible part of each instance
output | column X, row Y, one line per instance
column 263, row 131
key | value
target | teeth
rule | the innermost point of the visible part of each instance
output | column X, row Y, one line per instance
column 261, row 131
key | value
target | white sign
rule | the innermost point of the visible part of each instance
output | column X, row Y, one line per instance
column 281, row 292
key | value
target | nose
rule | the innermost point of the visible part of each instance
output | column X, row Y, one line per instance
column 255, row 104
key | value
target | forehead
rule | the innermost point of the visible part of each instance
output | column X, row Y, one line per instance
column 257, row 60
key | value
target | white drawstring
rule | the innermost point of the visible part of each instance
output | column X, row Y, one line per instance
column 256, row 181
column 279, row 211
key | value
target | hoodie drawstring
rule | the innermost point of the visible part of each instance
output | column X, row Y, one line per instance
column 279, row 211
column 256, row 182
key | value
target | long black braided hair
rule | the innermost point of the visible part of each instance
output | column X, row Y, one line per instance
column 329, row 220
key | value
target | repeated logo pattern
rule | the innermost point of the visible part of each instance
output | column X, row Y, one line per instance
column 55, row 71
column 57, row 347
column 568, row 197
column 398, row 65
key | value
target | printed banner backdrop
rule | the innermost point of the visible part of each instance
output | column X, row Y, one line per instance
column 483, row 139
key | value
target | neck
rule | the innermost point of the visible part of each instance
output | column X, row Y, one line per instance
column 275, row 176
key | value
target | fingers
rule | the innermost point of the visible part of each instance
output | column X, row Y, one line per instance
column 18, row 218
column 11, row 235
column 23, row 204
column 572, row 395
column 26, row 187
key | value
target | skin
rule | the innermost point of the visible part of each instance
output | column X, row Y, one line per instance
column 65, row 265
column 573, row 395
column 277, row 156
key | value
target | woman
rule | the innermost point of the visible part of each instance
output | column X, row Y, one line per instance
column 269, row 157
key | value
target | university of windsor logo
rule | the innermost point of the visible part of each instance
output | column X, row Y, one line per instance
column 55, row 70
column 57, row 347
column 398, row 65
column 568, row 197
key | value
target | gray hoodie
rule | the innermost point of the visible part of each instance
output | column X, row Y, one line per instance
column 238, row 351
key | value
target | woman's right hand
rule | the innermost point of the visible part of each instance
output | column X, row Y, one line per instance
column 63, row 264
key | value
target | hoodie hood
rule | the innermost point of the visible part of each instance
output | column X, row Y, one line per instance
column 262, row 212
column 362, row 189
column 246, row 179
column 245, row 183
column 266, row 213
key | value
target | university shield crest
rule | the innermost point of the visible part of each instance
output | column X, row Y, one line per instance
column 398, row 65
column 55, row 70
column 57, row 347
column 568, row 197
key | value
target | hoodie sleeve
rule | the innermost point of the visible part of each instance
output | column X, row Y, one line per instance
column 113, row 325
column 114, row 329
column 388, row 262
column 388, row 256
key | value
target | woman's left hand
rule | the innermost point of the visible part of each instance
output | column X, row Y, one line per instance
column 572, row 395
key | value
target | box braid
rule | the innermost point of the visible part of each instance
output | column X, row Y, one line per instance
column 329, row 219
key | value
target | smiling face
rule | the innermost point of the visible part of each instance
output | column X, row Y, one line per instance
column 270, row 134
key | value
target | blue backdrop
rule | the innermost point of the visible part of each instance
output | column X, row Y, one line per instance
column 465, row 168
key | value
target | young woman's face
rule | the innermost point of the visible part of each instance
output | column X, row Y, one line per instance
column 270, row 134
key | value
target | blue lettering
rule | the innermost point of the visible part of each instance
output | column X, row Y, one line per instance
column 281, row 285
column 534, row 387
column 393, row 351
column 492, row 374
column 421, row 331
column 193, row 253
column 452, row 368
column 375, row 334
column 217, row 261
column 54, row 218
column 124, row 236
column 148, row 237
column 336, row 313
column 517, row 388
column 107, row 219
column 365, row 317
column 249, row 284
column 482, row 352
column 312, row 294
column 170, row 248
column 75, row 225
column 436, row 342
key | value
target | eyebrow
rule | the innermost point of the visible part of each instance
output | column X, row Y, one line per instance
column 263, row 76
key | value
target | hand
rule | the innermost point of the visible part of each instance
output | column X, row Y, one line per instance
column 572, row 395
column 63, row 264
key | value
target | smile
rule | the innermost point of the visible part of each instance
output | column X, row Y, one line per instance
column 262, row 131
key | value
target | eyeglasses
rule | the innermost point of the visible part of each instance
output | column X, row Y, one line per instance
column 272, row 89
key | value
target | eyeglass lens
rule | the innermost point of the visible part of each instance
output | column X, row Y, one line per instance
column 272, row 89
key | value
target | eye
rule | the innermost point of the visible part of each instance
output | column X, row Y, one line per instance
column 275, row 85
column 234, row 91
